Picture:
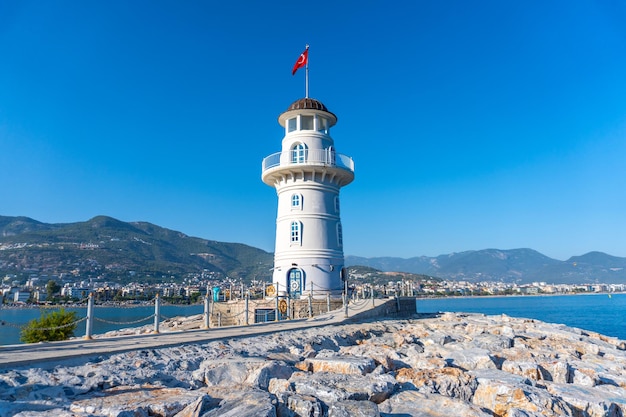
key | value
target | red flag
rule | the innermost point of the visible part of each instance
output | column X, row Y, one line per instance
column 302, row 61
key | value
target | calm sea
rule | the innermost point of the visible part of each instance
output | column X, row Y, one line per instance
column 596, row 312
column 120, row 316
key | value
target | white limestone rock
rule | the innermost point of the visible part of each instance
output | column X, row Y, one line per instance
column 140, row 400
column 256, row 403
column 349, row 408
column 196, row 408
column 525, row 369
column 330, row 387
column 304, row 405
column 450, row 382
column 353, row 365
column 453, row 365
column 471, row 358
column 601, row 401
column 390, row 358
column 500, row 392
column 243, row 372
column 418, row 404
column 555, row 371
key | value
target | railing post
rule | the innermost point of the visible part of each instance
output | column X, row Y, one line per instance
column 277, row 312
column 157, row 313
column 288, row 307
column 246, row 313
column 345, row 299
column 89, row 324
column 310, row 305
column 207, row 309
column 373, row 304
column 397, row 303
column 219, row 319
column 328, row 302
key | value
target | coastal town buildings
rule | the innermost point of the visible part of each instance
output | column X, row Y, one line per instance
column 361, row 285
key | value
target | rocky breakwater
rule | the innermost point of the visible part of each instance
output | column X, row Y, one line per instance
column 446, row 365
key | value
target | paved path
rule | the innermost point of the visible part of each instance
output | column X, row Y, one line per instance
column 20, row 355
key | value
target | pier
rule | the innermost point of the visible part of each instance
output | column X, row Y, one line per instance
column 12, row 356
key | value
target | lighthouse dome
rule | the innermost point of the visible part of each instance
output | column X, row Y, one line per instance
column 307, row 103
column 306, row 106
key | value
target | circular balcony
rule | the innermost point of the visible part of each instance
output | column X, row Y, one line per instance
column 308, row 160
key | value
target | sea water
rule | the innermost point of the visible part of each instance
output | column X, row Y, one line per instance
column 602, row 313
column 105, row 318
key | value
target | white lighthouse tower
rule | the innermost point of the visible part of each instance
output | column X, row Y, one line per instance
column 308, row 175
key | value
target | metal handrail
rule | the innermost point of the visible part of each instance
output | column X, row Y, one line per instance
column 319, row 157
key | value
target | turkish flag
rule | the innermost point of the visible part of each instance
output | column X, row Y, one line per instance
column 302, row 61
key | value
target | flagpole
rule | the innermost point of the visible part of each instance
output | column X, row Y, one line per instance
column 306, row 75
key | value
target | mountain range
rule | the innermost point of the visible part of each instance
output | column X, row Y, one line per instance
column 111, row 249
column 514, row 265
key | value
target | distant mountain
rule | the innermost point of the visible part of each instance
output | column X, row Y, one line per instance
column 11, row 226
column 114, row 250
column 516, row 265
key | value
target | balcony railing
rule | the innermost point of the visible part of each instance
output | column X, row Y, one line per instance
column 318, row 157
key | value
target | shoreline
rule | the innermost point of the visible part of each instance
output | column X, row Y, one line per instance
column 418, row 297
column 518, row 295
column 81, row 305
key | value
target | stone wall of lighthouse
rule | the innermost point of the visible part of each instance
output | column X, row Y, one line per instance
column 308, row 174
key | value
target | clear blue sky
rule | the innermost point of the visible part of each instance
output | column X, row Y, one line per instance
column 473, row 125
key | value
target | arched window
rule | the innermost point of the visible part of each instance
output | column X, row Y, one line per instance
column 296, row 233
column 298, row 153
column 336, row 204
column 296, row 202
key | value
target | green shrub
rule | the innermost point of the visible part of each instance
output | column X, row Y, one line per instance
column 51, row 326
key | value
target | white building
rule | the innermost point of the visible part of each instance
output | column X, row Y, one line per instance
column 308, row 175
column 21, row 296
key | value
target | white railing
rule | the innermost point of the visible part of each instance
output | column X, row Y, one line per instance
column 319, row 157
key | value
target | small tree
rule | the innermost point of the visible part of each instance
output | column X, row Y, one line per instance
column 51, row 326
column 52, row 288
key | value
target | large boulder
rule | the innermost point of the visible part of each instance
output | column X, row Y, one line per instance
column 140, row 400
column 501, row 392
column 349, row 408
column 331, row 387
column 418, row 404
column 353, row 365
column 600, row 401
column 253, row 402
column 451, row 382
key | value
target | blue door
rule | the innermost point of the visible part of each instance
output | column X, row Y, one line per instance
column 295, row 283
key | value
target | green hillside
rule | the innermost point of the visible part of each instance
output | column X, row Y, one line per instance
column 109, row 249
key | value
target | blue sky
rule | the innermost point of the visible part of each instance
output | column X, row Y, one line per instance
column 473, row 125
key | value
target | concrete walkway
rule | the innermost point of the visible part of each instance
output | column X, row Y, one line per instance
column 12, row 356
